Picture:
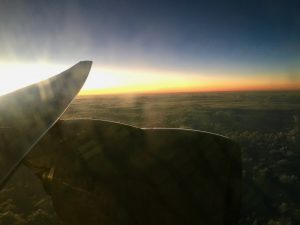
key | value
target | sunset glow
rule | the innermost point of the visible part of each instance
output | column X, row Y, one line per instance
column 118, row 80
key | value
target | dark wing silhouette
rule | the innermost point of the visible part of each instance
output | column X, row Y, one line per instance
column 100, row 172
column 27, row 114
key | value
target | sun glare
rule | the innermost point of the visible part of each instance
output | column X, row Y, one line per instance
column 17, row 75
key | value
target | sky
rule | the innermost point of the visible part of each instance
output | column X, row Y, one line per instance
column 153, row 46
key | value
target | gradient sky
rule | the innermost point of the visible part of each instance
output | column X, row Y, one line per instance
column 149, row 46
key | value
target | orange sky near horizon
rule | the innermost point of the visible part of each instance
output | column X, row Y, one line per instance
column 105, row 80
column 120, row 80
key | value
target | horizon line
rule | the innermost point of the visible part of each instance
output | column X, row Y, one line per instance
column 99, row 92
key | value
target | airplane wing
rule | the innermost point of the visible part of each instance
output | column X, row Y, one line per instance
column 104, row 172
column 28, row 113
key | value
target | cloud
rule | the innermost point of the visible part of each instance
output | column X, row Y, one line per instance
column 11, row 218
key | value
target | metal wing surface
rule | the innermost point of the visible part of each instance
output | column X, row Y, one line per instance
column 28, row 113
column 118, row 174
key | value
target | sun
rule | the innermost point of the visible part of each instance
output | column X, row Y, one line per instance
column 17, row 75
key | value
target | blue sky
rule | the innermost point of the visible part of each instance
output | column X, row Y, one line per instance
column 187, row 36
